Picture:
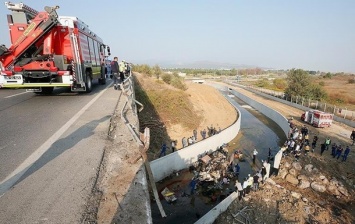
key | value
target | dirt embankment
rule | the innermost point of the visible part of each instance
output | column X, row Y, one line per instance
column 172, row 114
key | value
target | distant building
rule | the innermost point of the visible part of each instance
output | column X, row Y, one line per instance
column 182, row 74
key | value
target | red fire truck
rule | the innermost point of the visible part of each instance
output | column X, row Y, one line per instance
column 50, row 51
column 317, row 118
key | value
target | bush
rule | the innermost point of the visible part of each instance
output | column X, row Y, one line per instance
column 321, row 83
column 262, row 83
column 351, row 81
column 280, row 83
column 178, row 82
column 167, row 78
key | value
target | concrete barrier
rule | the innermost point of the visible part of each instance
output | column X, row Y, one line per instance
column 183, row 158
column 267, row 111
column 212, row 215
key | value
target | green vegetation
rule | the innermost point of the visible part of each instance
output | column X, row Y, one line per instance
column 280, row 84
column 299, row 83
column 172, row 79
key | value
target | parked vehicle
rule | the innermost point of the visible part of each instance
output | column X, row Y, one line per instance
column 50, row 51
column 317, row 118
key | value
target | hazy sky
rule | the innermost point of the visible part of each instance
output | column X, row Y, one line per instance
column 308, row 34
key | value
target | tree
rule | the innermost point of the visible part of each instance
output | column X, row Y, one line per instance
column 298, row 82
column 157, row 71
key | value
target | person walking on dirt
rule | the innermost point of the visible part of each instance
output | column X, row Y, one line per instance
column 322, row 148
column 245, row 186
column 352, row 136
column 254, row 155
column 346, row 153
column 203, row 133
column 173, row 146
column 115, row 72
column 184, row 142
column 327, row 142
column 239, row 188
column 263, row 173
column 314, row 142
column 334, row 149
column 339, row 151
column 195, row 134
column 256, row 182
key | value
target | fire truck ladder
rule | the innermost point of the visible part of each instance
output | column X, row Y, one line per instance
column 20, row 7
column 77, row 69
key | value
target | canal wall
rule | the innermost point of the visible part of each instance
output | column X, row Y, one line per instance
column 185, row 157
column 267, row 111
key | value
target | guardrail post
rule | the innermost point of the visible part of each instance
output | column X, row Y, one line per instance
column 346, row 110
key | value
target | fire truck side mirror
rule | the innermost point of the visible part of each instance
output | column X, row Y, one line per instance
column 108, row 50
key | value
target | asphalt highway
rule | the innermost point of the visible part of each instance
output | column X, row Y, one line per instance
column 51, row 147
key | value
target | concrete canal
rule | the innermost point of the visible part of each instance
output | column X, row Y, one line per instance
column 256, row 132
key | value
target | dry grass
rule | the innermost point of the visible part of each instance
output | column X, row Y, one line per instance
column 340, row 91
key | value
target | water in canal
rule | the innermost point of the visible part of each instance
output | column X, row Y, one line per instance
column 256, row 132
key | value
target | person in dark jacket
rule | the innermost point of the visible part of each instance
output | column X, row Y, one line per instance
column 115, row 72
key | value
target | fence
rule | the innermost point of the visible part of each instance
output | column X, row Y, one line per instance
column 342, row 115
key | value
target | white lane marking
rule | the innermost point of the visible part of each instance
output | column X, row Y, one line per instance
column 11, row 179
column 15, row 95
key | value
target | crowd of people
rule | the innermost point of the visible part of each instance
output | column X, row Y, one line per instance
column 119, row 70
column 298, row 142
column 205, row 133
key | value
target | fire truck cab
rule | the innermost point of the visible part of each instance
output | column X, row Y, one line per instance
column 50, row 51
column 317, row 118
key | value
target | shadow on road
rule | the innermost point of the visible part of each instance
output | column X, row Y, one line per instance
column 56, row 149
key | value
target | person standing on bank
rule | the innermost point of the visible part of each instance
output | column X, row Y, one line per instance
column 122, row 70
column 254, row 155
column 115, row 72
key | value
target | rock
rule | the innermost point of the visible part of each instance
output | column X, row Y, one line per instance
column 291, row 179
column 334, row 182
column 315, row 170
column 325, row 181
column 287, row 164
column 333, row 190
column 266, row 199
column 343, row 191
column 279, row 186
column 270, row 181
column 322, row 177
column 246, row 198
column 302, row 177
column 304, row 184
column 292, row 172
column 283, row 173
column 308, row 167
column 318, row 187
column 297, row 166
column 295, row 195
column 304, row 199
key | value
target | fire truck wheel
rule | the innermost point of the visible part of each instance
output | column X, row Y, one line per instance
column 88, row 84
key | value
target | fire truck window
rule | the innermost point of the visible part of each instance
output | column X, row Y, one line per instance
column 97, row 53
column 92, row 52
